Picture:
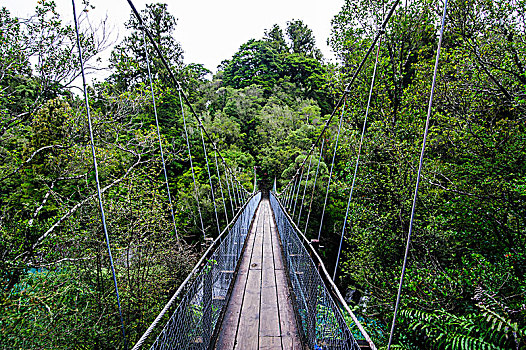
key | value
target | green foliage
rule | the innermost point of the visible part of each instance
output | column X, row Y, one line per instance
column 255, row 63
column 465, row 280
column 302, row 39
column 442, row 330
column 468, row 233
column 271, row 64
column 128, row 59
column 44, row 308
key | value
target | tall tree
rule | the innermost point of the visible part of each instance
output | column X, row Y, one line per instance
column 302, row 39
column 256, row 62
column 276, row 39
column 128, row 59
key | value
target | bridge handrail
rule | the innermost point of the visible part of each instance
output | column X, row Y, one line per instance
column 199, row 266
column 325, row 275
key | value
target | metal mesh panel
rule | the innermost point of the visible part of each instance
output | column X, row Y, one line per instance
column 192, row 324
column 321, row 320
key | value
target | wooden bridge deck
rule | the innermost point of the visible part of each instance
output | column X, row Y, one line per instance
column 260, row 313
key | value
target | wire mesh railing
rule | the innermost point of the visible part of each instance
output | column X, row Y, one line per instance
column 322, row 323
column 192, row 324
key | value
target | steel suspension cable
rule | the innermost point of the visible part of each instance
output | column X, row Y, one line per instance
column 358, row 157
column 297, row 194
column 287, row 195
column 159, row 134
column 196, row 191
column 286, row 191
column 236, row 193
column 238, row 199
column 211, row 185
column 177, row 84
column 356, row 72
column 240, row 191
column 420, row 164
column 314, row 186
column 243, row 192
column 283, row 194
column 234, row 190
column 330, row 173
column 292, row 191
column 304, row 189
column 229, row 194
column 220, row 184
column 96, row 170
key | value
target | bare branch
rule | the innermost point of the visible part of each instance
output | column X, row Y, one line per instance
column 39, row 208
column 60, row 261
column 77, row 207
column 31, row 158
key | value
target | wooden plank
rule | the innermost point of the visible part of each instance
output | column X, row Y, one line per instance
column 276, row 246
column 247, row 333
column 269, row 325
column 260, row 313
column 245, row 260
column 267, row 240
column 227, row 336
column 287, row 317
column 268, row 278
column 257, row 253
column 270, row 343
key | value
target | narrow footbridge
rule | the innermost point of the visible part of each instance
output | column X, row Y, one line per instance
column 260, row 285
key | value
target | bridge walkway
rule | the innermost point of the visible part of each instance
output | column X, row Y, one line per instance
column 260, row 314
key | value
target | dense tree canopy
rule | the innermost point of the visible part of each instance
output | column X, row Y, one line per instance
column 465, row 284
column 128, row 59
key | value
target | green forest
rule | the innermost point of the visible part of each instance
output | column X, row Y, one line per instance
column 465, row 285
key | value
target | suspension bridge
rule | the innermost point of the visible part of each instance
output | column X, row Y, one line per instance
column 260, row 283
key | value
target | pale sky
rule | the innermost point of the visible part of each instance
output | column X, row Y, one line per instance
column 210, row 31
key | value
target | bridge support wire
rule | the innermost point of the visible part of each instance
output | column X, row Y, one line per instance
column 210, row 180
column 234, row 191
column 238, row 193
column 304, row 189
column 288, row 204
column 356, row 72
column 294, row 189
column 321, row 319
column 357, row 158
column 420, row 165
column 284, row 193
column 314, row 186
column 204, row 291
column 96, row 170
column 297, row 193
column 220, row 184
column 159, row 135
column 330, row 173
column 228, row 187
column 196, row 190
